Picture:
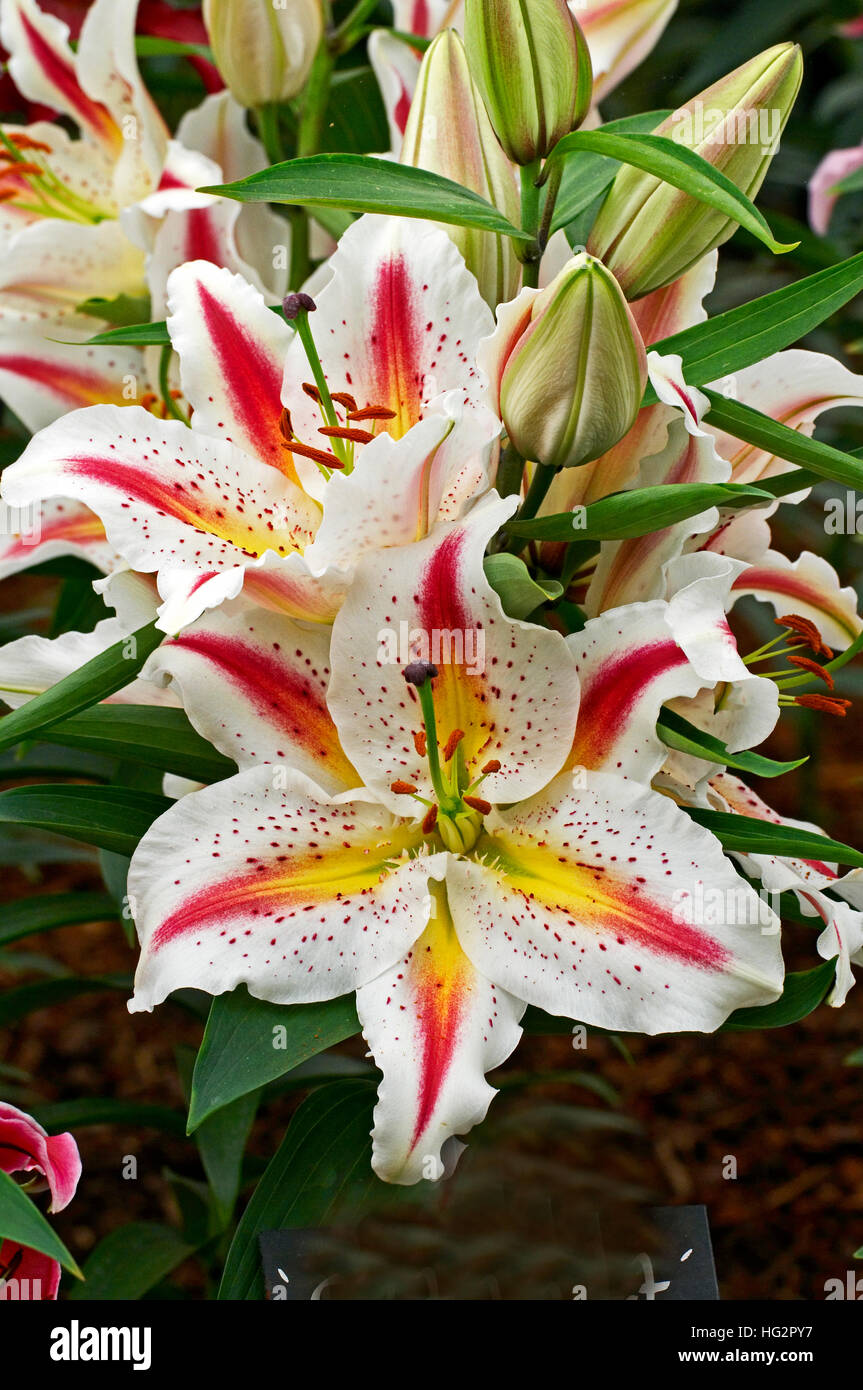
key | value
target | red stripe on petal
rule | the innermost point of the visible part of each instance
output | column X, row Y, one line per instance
column 781, row 582
column 291, row 701
column 136, row 485
column 610, row 695
column 396, row 345
column 61, row 74
column 252, row 381
column 76, row 385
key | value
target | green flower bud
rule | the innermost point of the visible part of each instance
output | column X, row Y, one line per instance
column 531, row 62
column 449, row 133
column 649, row 233
column 572, row 384
column 264, row 48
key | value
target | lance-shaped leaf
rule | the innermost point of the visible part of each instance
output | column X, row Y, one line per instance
column 363, row 183
column 45, row 994
column 158, row 737
column 745, row 835
column 105, row 1110
column 677, row 732
column 752, row 426
column 105, row 674
column 22, row 1221
column 31, row 915
column 248, row 1042
column 130, row 1261
column 133, row 335
column 738, row 338
column 638, row 513
column 320, row 1171
column 588, row 176
column 803, row 992
column 113, row 818
column 674, row 164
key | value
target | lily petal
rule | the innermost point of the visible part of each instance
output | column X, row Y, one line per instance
column 26, row 1147
column 263, row 880
column 255, row 685
column 171, row 499
column 585, row 904
column 31, row 535
column 435, row 1026
column 508, row 686
column 397, row 325
column 232, row 352
column 620, row 33
column 808, row 586
column 793, row 387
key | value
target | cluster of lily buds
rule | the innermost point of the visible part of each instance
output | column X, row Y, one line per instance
column 264, row 48
column 572, row 384
column 448, row 132
column 532, row 65
column 649, row 233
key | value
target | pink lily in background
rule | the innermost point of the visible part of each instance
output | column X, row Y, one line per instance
column 451, row 840
column 823, row 196
column 371, row 443
column 25, row 1147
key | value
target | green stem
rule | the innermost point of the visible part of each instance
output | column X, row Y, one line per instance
column 552, row 188
column 309, row 134
column 509, row 472
column 539, row 484
column 350, row 31
column 529, row 253
column 445, row 799
column 165, row 385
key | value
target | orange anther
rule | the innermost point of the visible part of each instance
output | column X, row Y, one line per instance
column 452, row 743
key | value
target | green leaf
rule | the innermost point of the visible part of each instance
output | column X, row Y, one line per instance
column 221, row 1142
column 97, row 1110
column 587, row 177
column 23, row 1222
column 150, row 734
column 363, row 183
column 514, row 585
column 130, row 1261
column 753, row 427
column 149, row 46
column 674, row 164
column 238, row 1055
column 676, row 732
column 112, row 818
column 321, row 1170
column 802, row 994
column 18, row 1003
column 132, row 335
column 749, row 836
column 26, row 916
column 122, row 310
column 852, row 183
column 104, row 675
column 738, row 338
column 639, row 512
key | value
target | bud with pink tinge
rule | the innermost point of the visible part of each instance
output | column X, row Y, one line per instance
column 531, row 62
column 264, row 48
column 449, row 133
column 649, row 233
column 572, row 369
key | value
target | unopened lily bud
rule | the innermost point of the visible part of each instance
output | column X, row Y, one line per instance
column 649, row 233
column 572, row 384
column 532, row 65
column 264, row 48
column 448, row 132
